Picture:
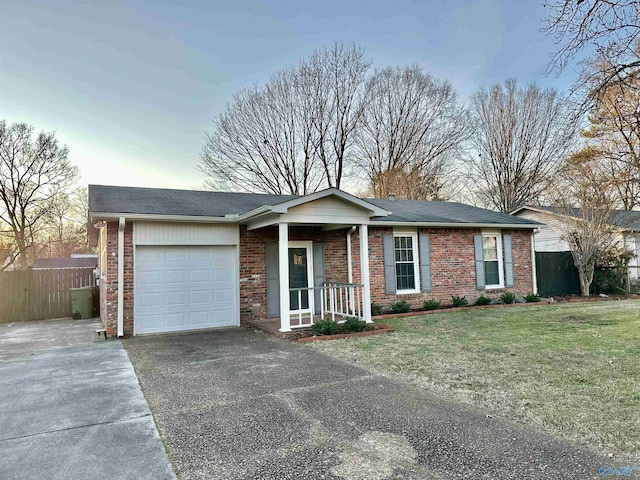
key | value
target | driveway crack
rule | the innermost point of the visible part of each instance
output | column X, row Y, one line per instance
column 47, row 432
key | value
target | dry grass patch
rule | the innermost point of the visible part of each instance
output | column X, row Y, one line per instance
column 570, row 370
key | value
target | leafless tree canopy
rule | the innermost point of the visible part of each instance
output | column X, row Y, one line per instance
column 33, row 173
column 520, row 136
column 292, row 136
column 612, row 27
column 412, row 128
column 613, row 137
column 66, row 229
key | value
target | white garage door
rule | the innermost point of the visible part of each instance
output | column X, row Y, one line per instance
column 185, row 288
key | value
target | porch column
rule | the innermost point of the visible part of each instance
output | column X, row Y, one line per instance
column 364, row 273
column 283, row 273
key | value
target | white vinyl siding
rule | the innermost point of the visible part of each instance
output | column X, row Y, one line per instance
column 164, row 233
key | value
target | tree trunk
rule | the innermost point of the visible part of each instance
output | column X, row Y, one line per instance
column 585, row 273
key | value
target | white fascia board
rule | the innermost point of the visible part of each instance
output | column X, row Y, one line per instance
column 152, row 217
column 454, row 225
column 331, row 192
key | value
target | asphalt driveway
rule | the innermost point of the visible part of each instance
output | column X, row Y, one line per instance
column 72, row 408
column 234, row 404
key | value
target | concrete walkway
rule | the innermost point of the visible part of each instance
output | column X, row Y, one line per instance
column 72, row 407
column 234, row 404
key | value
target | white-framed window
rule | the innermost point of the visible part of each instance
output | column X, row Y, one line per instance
column 406, row 259
column 492, row 257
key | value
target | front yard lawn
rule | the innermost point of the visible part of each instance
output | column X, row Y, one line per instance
column 572, row 370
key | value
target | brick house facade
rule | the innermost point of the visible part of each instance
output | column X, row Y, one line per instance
column 452, row 260
column 234, row 251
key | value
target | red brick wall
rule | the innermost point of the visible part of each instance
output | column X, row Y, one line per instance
column 109, row 286
column 452, row 266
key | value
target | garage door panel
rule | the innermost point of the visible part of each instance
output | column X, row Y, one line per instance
column 182, row 288
column 149, row 277
column 199, row 276
column 223, row 275
column 221, row 317
column 200, row 255
column 202, row 297
column 173, row 320
column 175, row 277
column 224, row 260
column 174, row 255
column 175, row 299
column 200, row 319
column 147, row 300
column 223, row 296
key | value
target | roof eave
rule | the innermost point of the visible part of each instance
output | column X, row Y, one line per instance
column 524, row 226
column 153, row 217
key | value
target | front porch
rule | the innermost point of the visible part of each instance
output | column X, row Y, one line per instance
column 299, row 264
column 304, row 296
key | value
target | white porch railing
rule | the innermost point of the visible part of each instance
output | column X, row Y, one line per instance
column 338, row 301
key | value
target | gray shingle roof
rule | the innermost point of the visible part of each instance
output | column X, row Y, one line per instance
column 107, row 199
column 627, row 219
column 160, row 201
column 443, row 212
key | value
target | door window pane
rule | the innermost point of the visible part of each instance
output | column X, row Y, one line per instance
column 298, row 278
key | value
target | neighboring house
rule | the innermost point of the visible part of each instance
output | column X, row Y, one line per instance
column 174, row 260
column 549, row 236
column 63, row 263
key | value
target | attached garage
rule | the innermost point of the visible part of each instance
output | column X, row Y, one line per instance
column 186, row 277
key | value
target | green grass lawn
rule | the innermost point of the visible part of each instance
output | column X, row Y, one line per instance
column 572, row 370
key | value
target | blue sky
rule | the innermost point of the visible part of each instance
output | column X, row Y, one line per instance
column 131, row 87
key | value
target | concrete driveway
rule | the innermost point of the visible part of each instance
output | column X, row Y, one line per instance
column 234, row 404
column 72, row 407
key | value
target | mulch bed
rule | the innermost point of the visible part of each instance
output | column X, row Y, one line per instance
column 372, row 329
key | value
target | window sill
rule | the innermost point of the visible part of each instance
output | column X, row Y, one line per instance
column 494, row 287
column 406, row 292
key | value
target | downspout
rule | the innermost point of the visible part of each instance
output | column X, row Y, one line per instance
column 534, row 273
column 349, row 261
column 121, row 224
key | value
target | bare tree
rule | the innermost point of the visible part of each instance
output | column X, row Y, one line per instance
column 519, row 139
column 331, row 81
column 291, row 136
column 67, row 221
column 613, row 136
column 412, row 127
column 585, row 199
column 610, row 27
column 33, row 173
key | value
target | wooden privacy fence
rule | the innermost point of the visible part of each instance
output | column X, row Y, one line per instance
column 40, row 294
column 556, row 274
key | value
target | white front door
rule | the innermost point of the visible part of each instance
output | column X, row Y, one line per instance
column 185, row 288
